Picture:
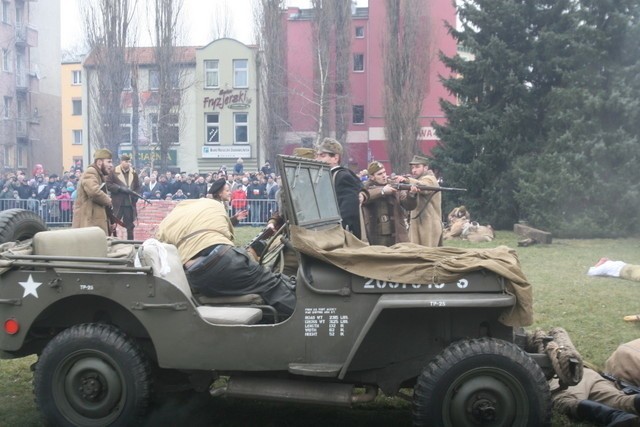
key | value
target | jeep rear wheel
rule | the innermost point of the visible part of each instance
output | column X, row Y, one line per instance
column 484, row 382
column 92, row 375
column 19, row 224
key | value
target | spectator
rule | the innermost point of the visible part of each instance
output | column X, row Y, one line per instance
column 189, row 188
column 266, row 168
column 180, row 195
column 65, row 204
column 238, row 168
column 238, row 200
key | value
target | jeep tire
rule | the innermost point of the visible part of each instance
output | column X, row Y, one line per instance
column 486, row 382
column 92, row 375
column 19, row 224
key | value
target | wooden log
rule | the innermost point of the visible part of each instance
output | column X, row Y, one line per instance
column 532, row 233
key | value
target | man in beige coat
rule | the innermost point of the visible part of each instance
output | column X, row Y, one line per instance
column 92, row 198
column 425, row 224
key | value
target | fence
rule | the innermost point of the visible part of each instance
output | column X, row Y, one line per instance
column 59, row 213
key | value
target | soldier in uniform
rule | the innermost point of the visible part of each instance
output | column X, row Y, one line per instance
column 384, row 211
column 121, row 179
column 425, row 224
column 348, row 186
column 92, row 198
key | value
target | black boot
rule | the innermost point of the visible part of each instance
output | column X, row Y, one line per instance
column 605, row 415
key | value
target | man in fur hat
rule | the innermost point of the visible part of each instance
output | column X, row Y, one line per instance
column 120, row 182
column 89, row 209
column 425, row 224
column 384, row 211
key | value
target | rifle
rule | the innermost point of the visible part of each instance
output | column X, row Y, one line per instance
column 259, row 243
column 130, row 192
column 625, row 387
column 113, row 220
column 407, row 186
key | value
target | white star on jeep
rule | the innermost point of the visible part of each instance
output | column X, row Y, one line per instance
column 30, row 287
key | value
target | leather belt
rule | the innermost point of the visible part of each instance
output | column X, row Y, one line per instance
column 211, row 256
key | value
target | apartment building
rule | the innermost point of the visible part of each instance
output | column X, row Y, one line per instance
column 30, row 85
column 72, row 123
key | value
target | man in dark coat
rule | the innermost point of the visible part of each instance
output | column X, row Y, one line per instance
column 120, row 182
column 348, row 186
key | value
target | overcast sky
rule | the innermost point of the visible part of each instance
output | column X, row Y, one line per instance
column 197, row 16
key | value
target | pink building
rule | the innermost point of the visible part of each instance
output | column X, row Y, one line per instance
column 366, row 132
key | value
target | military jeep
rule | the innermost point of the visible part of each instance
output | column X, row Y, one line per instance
column 111, row 321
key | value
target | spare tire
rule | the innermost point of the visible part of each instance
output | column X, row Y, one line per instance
column 19, row 224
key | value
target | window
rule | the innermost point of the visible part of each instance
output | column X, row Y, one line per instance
column 125, row 126
column 7, row 107
column 211, row 73
column 240, row 73
column 76, row 105
column 77, row 137
column 5, row 12
column 213, row 128
column 154, row 79
column 358, row 114
column 22, row 156
column 240, row 124
column 76, row 77
column 358, row 62
column 171, row 133
column 359, row 32
column 19, row 14
column 6, row 60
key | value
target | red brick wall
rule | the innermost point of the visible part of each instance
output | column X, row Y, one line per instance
column 149, row 217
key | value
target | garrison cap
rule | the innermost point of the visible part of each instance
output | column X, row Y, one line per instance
column 306, row 153
column 102, row 153
column 331, row 146
column 125, row 157
column 374, row 167
column 419, row 160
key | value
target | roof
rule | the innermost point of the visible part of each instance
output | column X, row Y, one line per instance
column 146, row 55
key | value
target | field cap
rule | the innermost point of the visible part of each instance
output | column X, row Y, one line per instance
column 305, row 153
column 331, row 146
column 374, row 167
column 419, row 160
column 102, row 153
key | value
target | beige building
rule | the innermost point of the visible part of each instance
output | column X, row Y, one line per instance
column 30, row 85
column 226, row 93
column 72, row 140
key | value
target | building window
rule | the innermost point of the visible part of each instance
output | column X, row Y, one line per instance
column 154, row 79
column 172, row 131
column 359, row 32
column 76, row 105
column 241, row 128
column 213, row 128
column 125, row 126
column 358, row 62
column 77, row 137
column 77, row 77
column 6, row 60
column 211, row 73
column 7, row 107
column 22, row 156
column 5, row 12
column 358, row 114
column 240, row 73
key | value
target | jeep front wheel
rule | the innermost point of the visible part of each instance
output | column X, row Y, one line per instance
column 92, row 375
column 485, row 382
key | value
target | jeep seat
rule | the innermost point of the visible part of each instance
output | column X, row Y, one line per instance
column 80, row 242
column 177, row 277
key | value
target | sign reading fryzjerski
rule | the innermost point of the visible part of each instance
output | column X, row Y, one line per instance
column 230, row 98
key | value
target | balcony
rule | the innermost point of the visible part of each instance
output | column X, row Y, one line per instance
column 22, row 81
column 26, row 36
column 22, row 128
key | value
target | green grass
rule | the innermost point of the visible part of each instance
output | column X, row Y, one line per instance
column 590, row 309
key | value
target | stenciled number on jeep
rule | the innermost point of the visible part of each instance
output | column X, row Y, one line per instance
column 381, row 284
column 86, row 287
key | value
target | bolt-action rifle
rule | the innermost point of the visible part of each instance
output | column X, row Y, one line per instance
column 407, row 186
column 625, row 387
column 129, row 191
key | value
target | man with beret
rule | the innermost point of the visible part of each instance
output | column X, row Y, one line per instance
column 349, row 189
column 425, row 223
column 203, row 233
column 121, row 182
column 384, row 211
column 92, row 199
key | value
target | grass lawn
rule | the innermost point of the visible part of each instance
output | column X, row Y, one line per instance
column 590, row 309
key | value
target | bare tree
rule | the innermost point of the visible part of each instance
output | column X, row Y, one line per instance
column 169, row 63
column 406, row 67
column 272, row 75
column 342, row 22
column 109, row 32
column 222, row 21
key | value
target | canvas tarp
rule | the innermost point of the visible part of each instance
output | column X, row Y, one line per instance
column 415, row 264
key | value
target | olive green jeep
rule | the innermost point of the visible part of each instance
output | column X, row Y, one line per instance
column 113, row 321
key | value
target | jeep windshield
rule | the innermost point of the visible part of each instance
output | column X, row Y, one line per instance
column 309, row 196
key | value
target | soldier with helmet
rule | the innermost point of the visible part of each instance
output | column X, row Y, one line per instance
column 348, row 187
column 384, row 212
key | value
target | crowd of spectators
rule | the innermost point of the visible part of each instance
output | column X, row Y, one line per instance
column 52, row 195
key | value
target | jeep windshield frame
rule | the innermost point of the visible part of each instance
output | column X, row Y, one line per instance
column 309, row 195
